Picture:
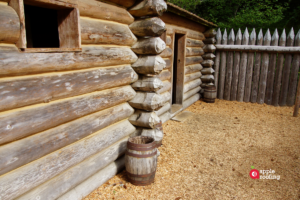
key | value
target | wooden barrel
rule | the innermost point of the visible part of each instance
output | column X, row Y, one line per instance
column 141, row 160
column 210, row 93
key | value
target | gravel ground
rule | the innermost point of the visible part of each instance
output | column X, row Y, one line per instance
column 209, row 156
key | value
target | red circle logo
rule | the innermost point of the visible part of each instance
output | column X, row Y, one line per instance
column 254, row 174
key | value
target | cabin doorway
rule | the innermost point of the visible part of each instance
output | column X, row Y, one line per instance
column 178, row 72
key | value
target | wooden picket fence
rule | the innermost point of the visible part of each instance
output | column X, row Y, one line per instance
column 261, row 69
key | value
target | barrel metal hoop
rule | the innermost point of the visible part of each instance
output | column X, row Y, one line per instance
column 141, row 156
column 141, row 183
column 141, row 176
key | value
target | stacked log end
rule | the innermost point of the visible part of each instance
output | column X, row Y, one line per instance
column 153, row 96
column 208, row 58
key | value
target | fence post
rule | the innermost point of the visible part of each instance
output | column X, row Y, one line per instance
column 229, row 67
column 222, row 67
column 217, row 60
column 236, row 67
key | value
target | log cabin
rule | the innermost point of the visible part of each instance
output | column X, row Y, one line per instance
column 79, row 77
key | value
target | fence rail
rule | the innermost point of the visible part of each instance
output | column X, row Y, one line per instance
column 258, row 69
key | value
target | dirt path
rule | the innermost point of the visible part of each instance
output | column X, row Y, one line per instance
column 210, row 155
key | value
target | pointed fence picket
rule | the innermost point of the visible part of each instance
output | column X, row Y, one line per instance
column 265, row 73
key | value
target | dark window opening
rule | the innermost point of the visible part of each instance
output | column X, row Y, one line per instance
column 175, row 66
column 41, row 27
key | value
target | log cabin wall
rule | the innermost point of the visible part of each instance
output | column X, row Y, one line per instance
column 64, row 115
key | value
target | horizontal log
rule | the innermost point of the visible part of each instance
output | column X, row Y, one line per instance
column 191, row 93
column 23, row 91
column 149, row 64
column 105, row 32
column 149, row 8
column 191, row 85
column 167, row 53
column 192, row 68
column 209, row 48
column 163, row 109
column 147, row 101
column 193, row 76
column 209, row 41
column 164, row 75
column 171, row 29
column 144, row 119
column 165, row 117
column 252, row 48
column 210, row 33
column 96, row 180
column 16, row 63
column 168, row 63
column 194, row 51
column 203, row 85
column 208, row 63
column 27, row 177
column 191, row 100
column 147, row 84
column 166, row 97
column 208, row 56
column 169, row 41
column 154, row 27
column 193, row 60
column 194, row 43
column 9, row 25
column 207, row 71
column 26, row 121
column 207, row 78
column 166, row 87
column 153, row 45
column 100, row 10
column 23, row 151
column 126, row 4
column 74, row 176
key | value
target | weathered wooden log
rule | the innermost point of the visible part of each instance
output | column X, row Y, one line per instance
column 192, row 68
column 297, row 103
column 191, row 85
column 210, row 41
column 9, row 25
column 34, row 147
column 163, row 109
column 190, row 33
column 78, row 174
column 23, row 91
column 148, row 27
column 104, row 32
column 222, row 68
column 21, row 123
column 167, row 53
column 269, row 49
column 157, row 134
column 243, row 68
column 271, row 70
column 294, row 74
column 153, row 45
column 100, row 10
column 165, row 117
column 148, row 84
column 207, row 63
column 207, row 71
column 166, row 97
column 193, row 60
column 93, row 182
column 194, row 51
column 218, row 58
column 194, row 43
column 149, row 8
column 164, row 75
column 149, row 64
column 144, row 119
column 209, row 48
column 190, row 100
column 236, row 67
column 193, row 76
column 169, row 41
column 207, row 78
column 249, row 70
column 15, row 63
column 208, row 56
column 210, row 33
column 126, row 4
column 191, row 93
column 166, row 87
column 27, row 177
column 147, row 101
column 278, row 75
column 256, row 71
column 168, row 63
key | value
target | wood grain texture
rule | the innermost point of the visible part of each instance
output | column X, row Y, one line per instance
column 207, row 78
column 236, row 67
column 191, row 93
column 152, row 45
column 207, row 63
column 217, row 59
column 269, row 49
column 210, row 41
column 166, row 97
column 147, row 101
column 29, row 176
column 147, row 84
column 222, row 68
column 210, row 33
column 15, row 63
column 191, row 85
column 164, row 75
column 105, row 32
column 144, row 119
column 168, row 63
column 194, row 43
column 193, row 60
column 149, row 8
column 193, row 68
column 191, row 100
column 171, row 29
column 23, row 151
column 163, row 109
column 166, row 87
column 77, row 175
column 167, row 53
column 149, row 64
column 165, row 117
column 208, row 56
column 154, row 27
column 18, row 6
column 193, row 76
column 208, row 71
column 168, row 41
column 209, row 48
column 126, row 4
column 9, row 25
column 194, row 52
column 26, row 121
column 24, row 91
column 99, row 10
